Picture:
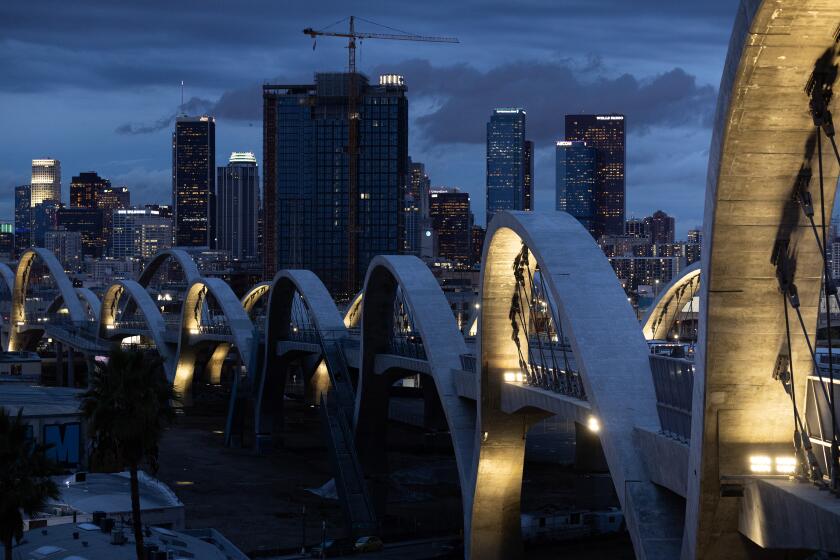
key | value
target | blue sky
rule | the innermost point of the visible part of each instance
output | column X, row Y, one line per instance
column 95, row 84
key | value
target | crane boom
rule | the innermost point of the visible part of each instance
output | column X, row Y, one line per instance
column 353, row 131
column 390, row 36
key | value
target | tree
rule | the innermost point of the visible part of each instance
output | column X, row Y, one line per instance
column 25, row 484
column 127, row 406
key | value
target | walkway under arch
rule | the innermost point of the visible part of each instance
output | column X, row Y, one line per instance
column 611, row 356
column 17, row 340
column 667, row 307
column 434, row 323
column 763, row 154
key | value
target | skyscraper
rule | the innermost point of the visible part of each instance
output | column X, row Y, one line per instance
column 416, row 207
column 140, row 233
column 110, row 199
column 7, row 241
column 237, row 206
column 528, row 203
column 23, row 219
column 306, row 130
column 44, row 218
column 85, row 189
column 506, row 169
column 193, row 180
column 661, row 227
column 449, row 211
column 46, row 181
column 67, row 246
column 89, row 223
column 604, row 133
column 575, row 182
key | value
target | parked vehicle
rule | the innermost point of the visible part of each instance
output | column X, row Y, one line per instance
column 369, row 544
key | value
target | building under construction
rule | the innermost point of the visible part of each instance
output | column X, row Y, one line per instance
column 307, row 176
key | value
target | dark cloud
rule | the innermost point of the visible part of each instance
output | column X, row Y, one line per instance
column 548, row 91
column 195, row 106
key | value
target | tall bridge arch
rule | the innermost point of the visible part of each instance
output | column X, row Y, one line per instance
column 180, row 256
column 782, row 62
column 664, row 312
column 612, row 359
column 154, row 323
column 19, row 340
column 443, row 348
column 192, row 332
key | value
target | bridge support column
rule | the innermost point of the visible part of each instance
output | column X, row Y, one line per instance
column 59, row 365
column 71, row 367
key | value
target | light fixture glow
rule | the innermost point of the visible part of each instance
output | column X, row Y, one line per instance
column 510, row 377
column 760, row 464
column 193, row 331
column 786, row 464
column 593, row 424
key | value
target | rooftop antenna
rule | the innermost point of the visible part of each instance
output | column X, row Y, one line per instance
column 182, row 95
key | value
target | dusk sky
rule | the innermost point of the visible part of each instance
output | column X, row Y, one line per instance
column 96, row 84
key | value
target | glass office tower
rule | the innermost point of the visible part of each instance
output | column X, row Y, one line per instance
column 307, row 148
column 506, row 161
column 606, row 134
column 449, row 212
column 237, row 206
column 23, row 219
column 194, row 180
column 576, row 182
column 46, row 181
column 85, row 189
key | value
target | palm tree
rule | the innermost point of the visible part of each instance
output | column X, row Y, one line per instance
column 127, row 407
column 25, row 484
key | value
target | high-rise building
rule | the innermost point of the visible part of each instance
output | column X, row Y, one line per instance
column 449, row 212
column 89, row 223
column 695, row 236
column 661, row 227
column 694, row 246
column 416, row 207
column 46, row 180
column 7, row 241
column 636, row 228
column 86, row 189
column 576, row 182
column 306, row 169
column 164, row 210
column 110, row 199
column 193, row 180
column 66, row 246
column 44, row 218
column 604, row 133
column 23, row 219
column 237, row 206
column 528, row 203
column 478, row 234
column 140, row 233
column 506, row 169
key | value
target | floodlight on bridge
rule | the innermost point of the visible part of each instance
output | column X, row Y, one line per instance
column 593, row 424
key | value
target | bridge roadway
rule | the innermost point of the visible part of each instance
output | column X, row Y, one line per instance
column 679, row 437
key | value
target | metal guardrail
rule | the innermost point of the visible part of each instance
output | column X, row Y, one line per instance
column 673, row 381
column 407, row 347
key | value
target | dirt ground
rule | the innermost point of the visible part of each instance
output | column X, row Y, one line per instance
column 257, row 501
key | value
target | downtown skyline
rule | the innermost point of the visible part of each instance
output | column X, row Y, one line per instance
column 667, row 94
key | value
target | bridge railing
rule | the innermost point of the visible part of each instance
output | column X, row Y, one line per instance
column 407, row 346
column 673, row 381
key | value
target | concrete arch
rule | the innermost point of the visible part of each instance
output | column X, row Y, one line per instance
column 151, row 316
column 763, row 153
column 444, row 345
column 180, row 256
column 86, row 296
column 241, row 329
column 612, row 358
column 7, row 277
column 65, row 287
column 248, row 301
column 324, row 315
column 665, row 310
column 254, row 295
column 353, row 316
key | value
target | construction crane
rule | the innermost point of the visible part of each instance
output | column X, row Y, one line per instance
column 353, row 123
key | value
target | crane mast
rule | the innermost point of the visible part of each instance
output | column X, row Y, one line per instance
column 353, row 132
